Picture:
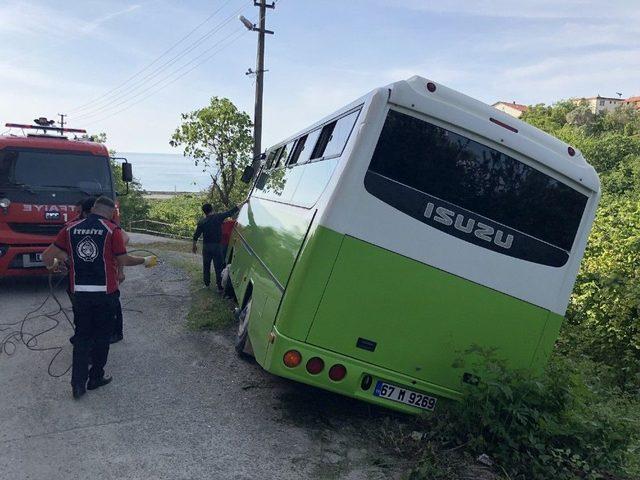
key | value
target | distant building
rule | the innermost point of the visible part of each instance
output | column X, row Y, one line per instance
column 514, row 109
column 599, row 104
column 633, row 102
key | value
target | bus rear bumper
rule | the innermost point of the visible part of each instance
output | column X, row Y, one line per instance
column 353, row 385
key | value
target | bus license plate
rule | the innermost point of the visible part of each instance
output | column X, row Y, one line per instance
column 403, row 395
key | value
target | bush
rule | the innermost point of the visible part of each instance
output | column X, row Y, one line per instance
column 133, row 206
column 605, row 307
column 553, row 427
column 182, row 212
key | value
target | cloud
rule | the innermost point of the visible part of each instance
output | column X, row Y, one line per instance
column 527, row 9
column 94, row 24
column 24, row 18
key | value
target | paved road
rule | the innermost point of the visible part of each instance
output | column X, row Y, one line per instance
column 181, row 406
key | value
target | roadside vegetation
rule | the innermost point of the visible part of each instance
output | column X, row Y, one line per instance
column 581, row 418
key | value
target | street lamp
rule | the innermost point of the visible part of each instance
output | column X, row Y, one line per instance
column 246, row 22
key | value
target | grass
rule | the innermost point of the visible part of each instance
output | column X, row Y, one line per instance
column 207, row 309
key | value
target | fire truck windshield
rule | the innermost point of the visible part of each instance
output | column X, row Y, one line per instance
column 48, row 170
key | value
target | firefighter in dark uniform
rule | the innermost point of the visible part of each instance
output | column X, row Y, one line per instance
column 93, row 247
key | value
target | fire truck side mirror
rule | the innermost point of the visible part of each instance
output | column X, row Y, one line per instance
column 127, row 172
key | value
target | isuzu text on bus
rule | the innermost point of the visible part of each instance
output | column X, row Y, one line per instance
column 42, row 178
column 384, row 244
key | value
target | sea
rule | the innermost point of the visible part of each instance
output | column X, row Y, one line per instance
column 167, row 172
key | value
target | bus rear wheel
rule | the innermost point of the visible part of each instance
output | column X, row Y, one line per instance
column 243, row 344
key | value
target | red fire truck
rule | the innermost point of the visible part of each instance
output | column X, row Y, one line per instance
column 42, row 178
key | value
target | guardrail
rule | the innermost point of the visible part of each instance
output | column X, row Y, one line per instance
column 154, row 227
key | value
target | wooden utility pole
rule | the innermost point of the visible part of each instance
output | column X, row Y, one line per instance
column 257, row 117
column 62, row 115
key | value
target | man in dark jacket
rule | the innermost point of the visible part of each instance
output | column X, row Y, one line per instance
column 210, row 227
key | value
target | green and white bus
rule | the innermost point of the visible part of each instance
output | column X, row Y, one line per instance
column 385, row 242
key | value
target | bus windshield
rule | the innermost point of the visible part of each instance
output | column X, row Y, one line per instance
column 472, row 183
column 46, row 169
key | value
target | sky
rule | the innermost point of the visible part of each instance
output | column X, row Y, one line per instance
column 102, row 63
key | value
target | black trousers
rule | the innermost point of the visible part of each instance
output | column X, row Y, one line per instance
column 117, row 326
column 212, row 252
column 118, row 314
column 93, row 315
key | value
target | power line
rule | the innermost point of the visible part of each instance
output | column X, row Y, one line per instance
column 233, row 39
column 108, row 104
column 153, row 62
column 165, row 78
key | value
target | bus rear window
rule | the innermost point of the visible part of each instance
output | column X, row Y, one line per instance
column 473, row 179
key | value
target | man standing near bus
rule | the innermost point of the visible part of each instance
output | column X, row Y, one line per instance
column 210, row 227
column 94, row 248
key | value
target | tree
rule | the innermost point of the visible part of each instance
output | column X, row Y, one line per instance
column 218, row 137
column 548, row 118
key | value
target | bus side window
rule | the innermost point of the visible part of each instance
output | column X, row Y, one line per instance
column 270, row 157
column 297, row 150
column 340, row 135
column 334, row 136
column 323, row 140
column 308, row 148
column 284, row 154
column 273, row 160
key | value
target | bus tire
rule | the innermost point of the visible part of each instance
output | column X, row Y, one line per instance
column 243, row 344
column 227, row 285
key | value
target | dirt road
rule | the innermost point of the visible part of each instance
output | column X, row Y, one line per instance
column 181, row 406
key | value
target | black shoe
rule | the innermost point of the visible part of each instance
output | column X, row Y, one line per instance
column 93, row 384
column 78, row 391
column 115, row 338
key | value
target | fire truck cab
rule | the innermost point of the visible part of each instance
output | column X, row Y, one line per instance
column 42, row 179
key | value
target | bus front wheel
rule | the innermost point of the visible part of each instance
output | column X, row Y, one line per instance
column 243, row 344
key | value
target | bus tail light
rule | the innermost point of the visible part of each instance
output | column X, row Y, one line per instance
column 3, row 250
column 337, row 372
column 292, row 358
column 503, row 125
column 315, row 365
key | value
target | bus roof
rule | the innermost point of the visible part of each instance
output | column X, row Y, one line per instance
column 51, row 142
column 481, row 119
